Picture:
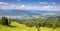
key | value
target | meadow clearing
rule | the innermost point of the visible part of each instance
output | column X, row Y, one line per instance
column 21, row 27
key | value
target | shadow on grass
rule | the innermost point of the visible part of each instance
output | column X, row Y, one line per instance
column 11, row 26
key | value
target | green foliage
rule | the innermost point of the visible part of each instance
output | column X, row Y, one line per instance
column 30, row 23
column 5, row 21
column 0, row 21
column 44, row 22
column 38, row 25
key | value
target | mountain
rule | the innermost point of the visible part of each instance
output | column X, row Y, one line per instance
column 15, row 12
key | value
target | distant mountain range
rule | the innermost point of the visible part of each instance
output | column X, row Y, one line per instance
column 15, row 12
column 29, row 14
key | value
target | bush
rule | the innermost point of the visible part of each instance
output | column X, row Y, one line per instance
column 30, row 23
column 38, row 25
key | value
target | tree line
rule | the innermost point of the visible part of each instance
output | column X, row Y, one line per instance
column 44, row 22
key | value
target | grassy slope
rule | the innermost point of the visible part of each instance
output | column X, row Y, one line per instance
column 21, row 27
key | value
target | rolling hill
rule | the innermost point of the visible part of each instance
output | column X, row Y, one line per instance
column 20, row 27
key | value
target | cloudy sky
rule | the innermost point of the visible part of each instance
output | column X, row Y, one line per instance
column 30, row 4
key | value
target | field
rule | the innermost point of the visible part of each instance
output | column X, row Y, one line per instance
column 21, row 27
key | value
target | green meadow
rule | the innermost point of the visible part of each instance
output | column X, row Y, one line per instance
column 15, row 26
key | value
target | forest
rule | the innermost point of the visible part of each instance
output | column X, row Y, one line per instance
column 51, row 22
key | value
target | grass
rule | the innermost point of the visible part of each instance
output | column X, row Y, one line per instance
column 20, row 27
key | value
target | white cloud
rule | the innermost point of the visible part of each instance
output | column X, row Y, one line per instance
column 48, row 7
column 13, row 6
column 43, row 3
column 4, row 5
column 22, row 6
column 46, row 3
column 41, row 8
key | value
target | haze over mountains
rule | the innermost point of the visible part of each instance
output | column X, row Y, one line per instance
column 27, row 13
column 14, row 12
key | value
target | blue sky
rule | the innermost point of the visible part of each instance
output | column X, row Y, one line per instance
column 30, row 4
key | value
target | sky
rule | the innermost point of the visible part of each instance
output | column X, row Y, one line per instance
column 50, row 5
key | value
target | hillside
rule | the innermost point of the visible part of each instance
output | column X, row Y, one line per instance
column 20, row 27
